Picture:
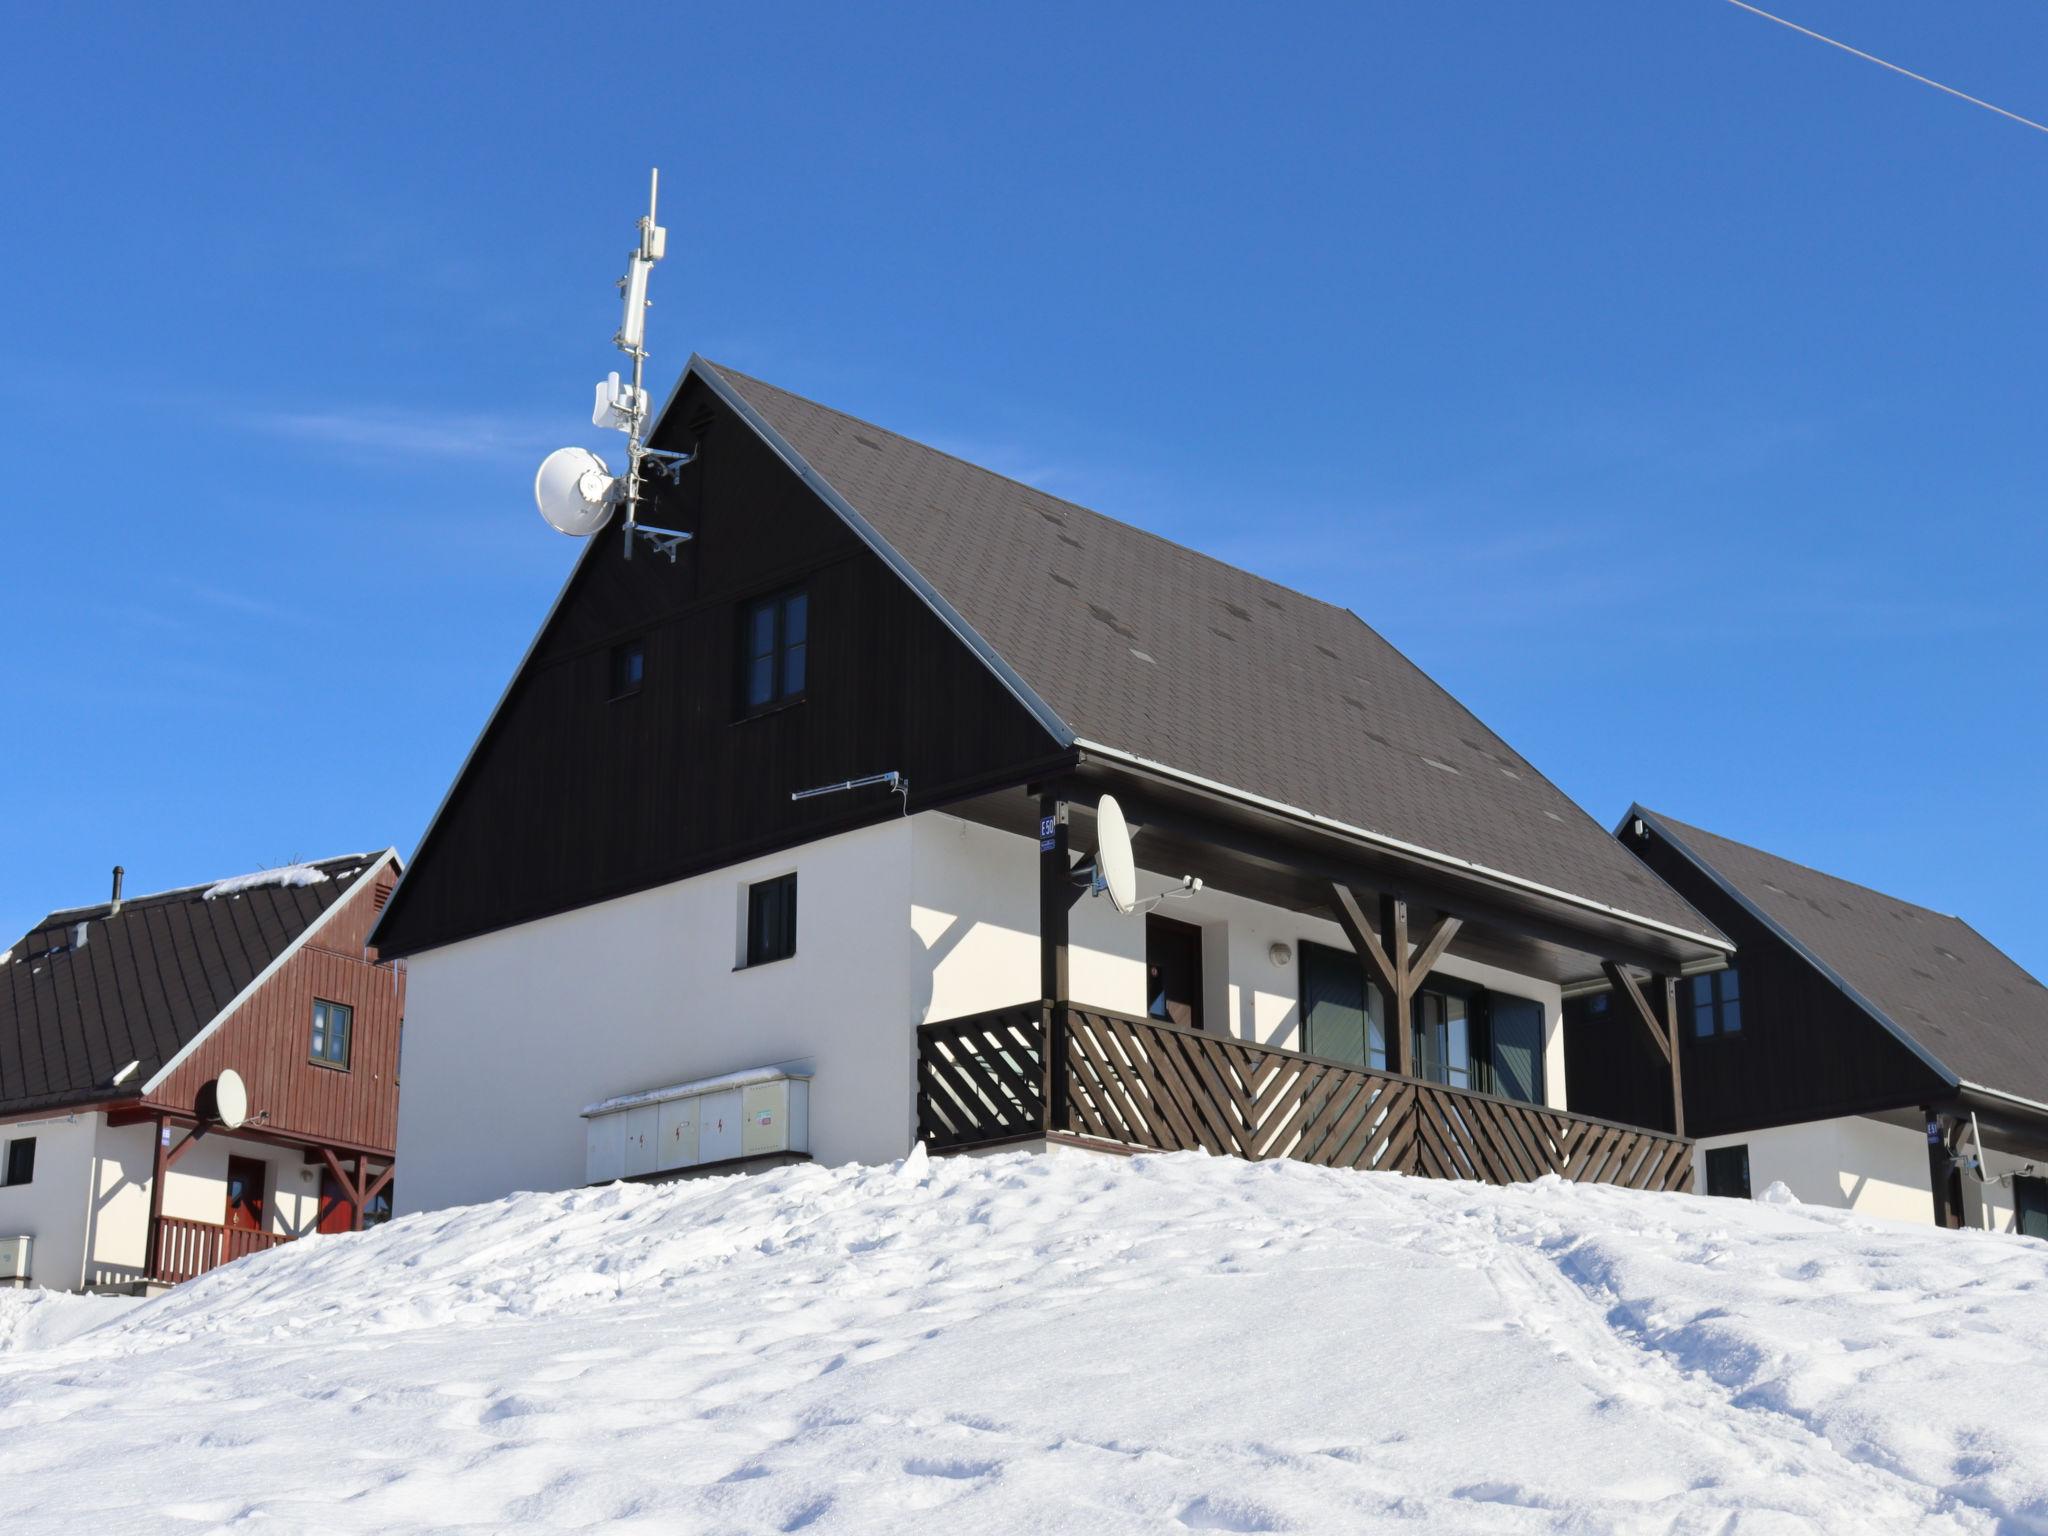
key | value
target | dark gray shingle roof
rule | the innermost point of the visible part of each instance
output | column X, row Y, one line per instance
column 83, row 993
column 1160, row 652
column 1964, row 1001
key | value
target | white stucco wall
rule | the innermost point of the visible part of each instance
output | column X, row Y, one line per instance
column 1851, row 1163
column 196, row 1189
column 975, row 911
column 509, row 1035
column 51, row 1207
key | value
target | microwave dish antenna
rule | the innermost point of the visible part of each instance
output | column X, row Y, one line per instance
column 574, row 489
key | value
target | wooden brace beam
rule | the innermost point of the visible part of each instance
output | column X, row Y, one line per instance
column 1639, row 1005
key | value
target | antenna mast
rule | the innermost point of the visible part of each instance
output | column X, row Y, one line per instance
column 626, row 409
column 575, row 490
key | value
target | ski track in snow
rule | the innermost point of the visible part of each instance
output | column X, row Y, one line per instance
column 1057, row 1343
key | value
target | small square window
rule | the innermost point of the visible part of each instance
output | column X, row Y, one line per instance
column 771, row 920
column 333, row 1023
column 629, row 666
column 21, row 1160
column 1728, row 1172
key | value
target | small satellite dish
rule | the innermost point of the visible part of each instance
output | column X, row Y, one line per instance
column 1115, row 871
column 223, row 1102
column 574, row 491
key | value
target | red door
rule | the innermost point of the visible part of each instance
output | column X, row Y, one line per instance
column 245, row 1193
column 335, row 1215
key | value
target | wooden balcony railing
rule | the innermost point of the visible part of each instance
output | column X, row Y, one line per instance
column 187, row 1249
column 1141, row 1083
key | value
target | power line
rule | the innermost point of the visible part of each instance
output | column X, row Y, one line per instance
column 1975, row 101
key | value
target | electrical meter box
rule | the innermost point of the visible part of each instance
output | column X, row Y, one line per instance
column 765, row 1112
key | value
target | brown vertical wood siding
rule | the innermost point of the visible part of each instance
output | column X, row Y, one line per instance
column 268, row 1040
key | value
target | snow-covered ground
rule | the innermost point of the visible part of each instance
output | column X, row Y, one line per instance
column 1058, row 1344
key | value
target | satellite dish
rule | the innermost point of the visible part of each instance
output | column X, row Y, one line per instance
column 574, row 490
column 1115, row 871
column 223, row 1102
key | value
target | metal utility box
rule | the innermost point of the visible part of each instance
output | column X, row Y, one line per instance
column 773, row 1114
column 760, row 1113
column 677, row 1119
column 14, row 1256
column 718, row 1127
column 642, row 1133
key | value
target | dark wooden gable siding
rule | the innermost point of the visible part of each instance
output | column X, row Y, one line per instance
column 574, row 797
column 268, row 1039
column 1805, row 1051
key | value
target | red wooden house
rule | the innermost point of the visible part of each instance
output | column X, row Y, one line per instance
column 199, row 1074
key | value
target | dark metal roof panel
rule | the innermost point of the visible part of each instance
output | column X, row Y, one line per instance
column 1959, row 998
column 146, row 981
column 1160, row 652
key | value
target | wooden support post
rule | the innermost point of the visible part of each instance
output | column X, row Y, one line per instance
column 1944, row 1175
column 1400, row 1006
column 1667, row 994
column 382, row 1183
column 1392, row 966
column 1055, row 882
column 350, row 1191
column 159, row 1166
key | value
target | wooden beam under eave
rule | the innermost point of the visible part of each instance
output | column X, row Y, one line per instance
column 1363, row 941
column 1639, row 1005
column 1431, row 950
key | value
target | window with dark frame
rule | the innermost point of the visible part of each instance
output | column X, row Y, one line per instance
column 21, row 1161
column 1716, row 1000
column 771, row 920
column 332, row 1025
column 1728, row 1171
column 2030, row 1205
column 628, row 667
column 774, row 650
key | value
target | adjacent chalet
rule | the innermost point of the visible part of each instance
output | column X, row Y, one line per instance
column 1868, row 1053
column 196, row 1075
column 639, row 943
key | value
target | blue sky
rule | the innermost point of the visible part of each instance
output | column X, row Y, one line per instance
column 1664, row 383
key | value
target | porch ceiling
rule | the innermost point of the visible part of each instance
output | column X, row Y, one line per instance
column 1268, row 858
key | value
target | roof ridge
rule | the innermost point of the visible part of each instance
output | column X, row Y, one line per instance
column 70, row 913
column 1025, row 485
column 1855, row 885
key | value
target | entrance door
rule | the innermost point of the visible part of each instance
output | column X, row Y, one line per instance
column 335, row 1214
column 1173, row 971
column 246, row 1177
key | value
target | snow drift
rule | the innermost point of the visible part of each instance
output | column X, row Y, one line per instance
column 1063, row 1343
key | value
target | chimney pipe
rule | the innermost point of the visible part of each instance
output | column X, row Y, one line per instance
column 117, row 891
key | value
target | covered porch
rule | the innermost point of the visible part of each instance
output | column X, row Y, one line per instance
column 1403, row 1082
column 353, row 1184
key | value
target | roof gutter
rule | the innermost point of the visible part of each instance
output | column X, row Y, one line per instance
column 1428, row 856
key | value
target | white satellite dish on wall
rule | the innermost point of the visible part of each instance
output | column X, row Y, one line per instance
column 1116, row 872
column 574, row 491
column 224, row 1102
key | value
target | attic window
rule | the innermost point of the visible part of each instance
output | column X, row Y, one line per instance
column 628, row 667
column 774, row 650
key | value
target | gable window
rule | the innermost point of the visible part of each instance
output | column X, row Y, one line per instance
column 774, row 650
column 629, row 666
column 1728, row 1171
column 332, row 1025
column 1716, row 1004
column 771, row 920
column 21, row 1161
